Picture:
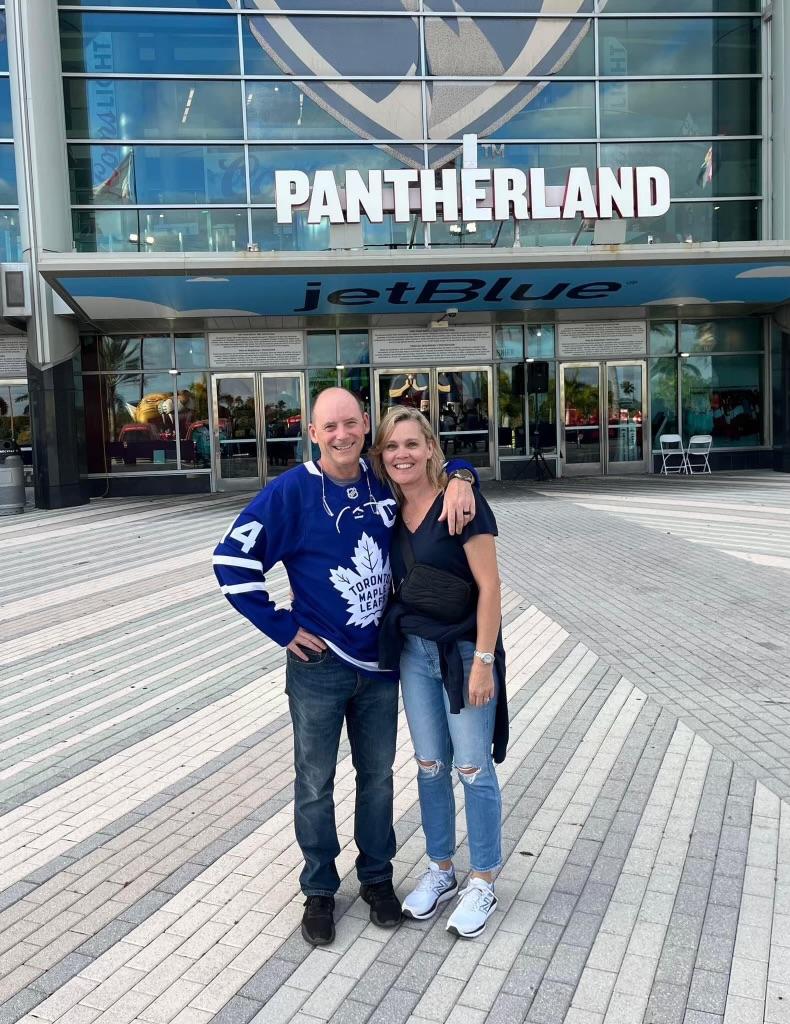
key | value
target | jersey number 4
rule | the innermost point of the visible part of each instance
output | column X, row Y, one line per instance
column 245, row 535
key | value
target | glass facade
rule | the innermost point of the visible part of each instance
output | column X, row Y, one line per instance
column 195, row 109
column 10, row 242
column 148, row 405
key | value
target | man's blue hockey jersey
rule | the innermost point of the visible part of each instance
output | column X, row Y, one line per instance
column 334, row 543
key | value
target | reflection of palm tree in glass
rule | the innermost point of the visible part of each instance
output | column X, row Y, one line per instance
column 117, row 354
column 582, row 396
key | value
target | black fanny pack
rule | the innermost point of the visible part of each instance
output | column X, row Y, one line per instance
column 437, row 593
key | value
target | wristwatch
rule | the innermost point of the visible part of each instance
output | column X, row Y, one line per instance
column 485, row 657
column 462, row 474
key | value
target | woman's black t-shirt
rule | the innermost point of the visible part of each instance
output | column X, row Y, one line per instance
column 432, row 544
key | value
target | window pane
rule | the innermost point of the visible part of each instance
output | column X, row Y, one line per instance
column 8, row 193
column 663, row 338
column 300, row 235
column 556, row 159
column 265, row 160
column 3, row 43
column 118, row 353
column 6, row 127
column 191, row 350
column 518, row 6
column 670, row 109
column 663, row 396
column 164, row 44
column 10, row 239
column 695, row 169
column 509, row 342
column 193, row 421
column 723, row 396
column 267, row 50
column 130, row 422
column 326, row 110
column 15, row 414
column 160, row 230
column 511, row 46
column 157, row 353
column 732, row 335
column 511, row 433
column 540, row 341
column 149, row 109
column 688, row 46
column 530, row 110
column 114, row 175
column 681, row 6
column 354, row 347
column 321, row 348
column 700, row 222
column 219, row 4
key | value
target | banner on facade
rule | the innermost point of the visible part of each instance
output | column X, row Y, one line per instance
column 256, row 350
column 602, row 339
column 12, row 357
column 416, row 346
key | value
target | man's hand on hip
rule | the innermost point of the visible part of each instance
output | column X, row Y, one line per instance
column 459, row 505
column 304, row 641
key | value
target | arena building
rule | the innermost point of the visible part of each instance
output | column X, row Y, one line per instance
column 554, row 226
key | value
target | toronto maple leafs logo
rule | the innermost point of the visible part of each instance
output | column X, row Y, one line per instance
column 364, row 588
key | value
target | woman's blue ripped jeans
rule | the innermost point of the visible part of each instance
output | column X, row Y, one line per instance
column 442, row 740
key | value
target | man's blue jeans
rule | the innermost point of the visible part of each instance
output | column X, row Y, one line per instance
column 322, row 692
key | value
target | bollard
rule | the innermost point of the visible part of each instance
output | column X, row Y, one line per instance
column 12, row 483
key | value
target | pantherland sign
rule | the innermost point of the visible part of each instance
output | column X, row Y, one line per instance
column 471, row 193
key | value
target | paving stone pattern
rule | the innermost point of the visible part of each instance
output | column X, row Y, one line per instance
column 148, row 869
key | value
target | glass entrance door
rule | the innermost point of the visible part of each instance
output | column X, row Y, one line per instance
column 281, row 398
column 625, row 385
column 456, row 401
column 258, row 424
column 236, row 432
column 464, row 415
column 603, row 412
column 580, row 398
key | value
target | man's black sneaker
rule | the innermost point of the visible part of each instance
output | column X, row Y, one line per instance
column 318, row 926
column 384, row 904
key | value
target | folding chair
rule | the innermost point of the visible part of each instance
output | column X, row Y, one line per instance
column 672, row 449
column 698, row 448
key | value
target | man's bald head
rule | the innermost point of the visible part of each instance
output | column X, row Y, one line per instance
column 338, row 426
column 331, row 397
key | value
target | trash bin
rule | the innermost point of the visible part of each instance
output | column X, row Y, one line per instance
column 12, row 481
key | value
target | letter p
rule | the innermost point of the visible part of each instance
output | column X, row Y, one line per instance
column 291, row 188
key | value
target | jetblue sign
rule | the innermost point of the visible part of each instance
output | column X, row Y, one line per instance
column 471, row 194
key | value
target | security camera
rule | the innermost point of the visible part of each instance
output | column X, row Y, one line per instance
column 451, row 312
column 253, row 247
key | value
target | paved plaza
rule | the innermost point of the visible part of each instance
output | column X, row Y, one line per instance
column 148, row 869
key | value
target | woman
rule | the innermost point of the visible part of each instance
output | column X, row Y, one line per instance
column 452, row 673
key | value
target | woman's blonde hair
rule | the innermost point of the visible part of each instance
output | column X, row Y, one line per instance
column 435, row 464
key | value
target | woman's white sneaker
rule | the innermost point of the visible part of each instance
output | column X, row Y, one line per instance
column 476, row 903
column 434, row 888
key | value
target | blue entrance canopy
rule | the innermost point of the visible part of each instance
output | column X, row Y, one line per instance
column 425, row 282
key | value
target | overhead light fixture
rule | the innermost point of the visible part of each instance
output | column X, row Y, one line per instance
column 149, row 239
column 134, row 238
column 455, row 229
column 685, row 355
column 471, row 228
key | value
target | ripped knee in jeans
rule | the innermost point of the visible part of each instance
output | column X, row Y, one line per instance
column 429, row 768
column 467, row 773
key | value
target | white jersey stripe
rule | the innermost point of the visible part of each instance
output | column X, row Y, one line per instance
column 369, row 666
column 242, row 563
column 243, row 588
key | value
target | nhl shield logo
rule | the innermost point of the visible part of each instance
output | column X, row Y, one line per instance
column 501, row 49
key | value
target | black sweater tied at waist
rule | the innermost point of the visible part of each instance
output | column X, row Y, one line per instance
column 400, row 621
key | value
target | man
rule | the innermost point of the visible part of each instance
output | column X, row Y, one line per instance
column 329, row 523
